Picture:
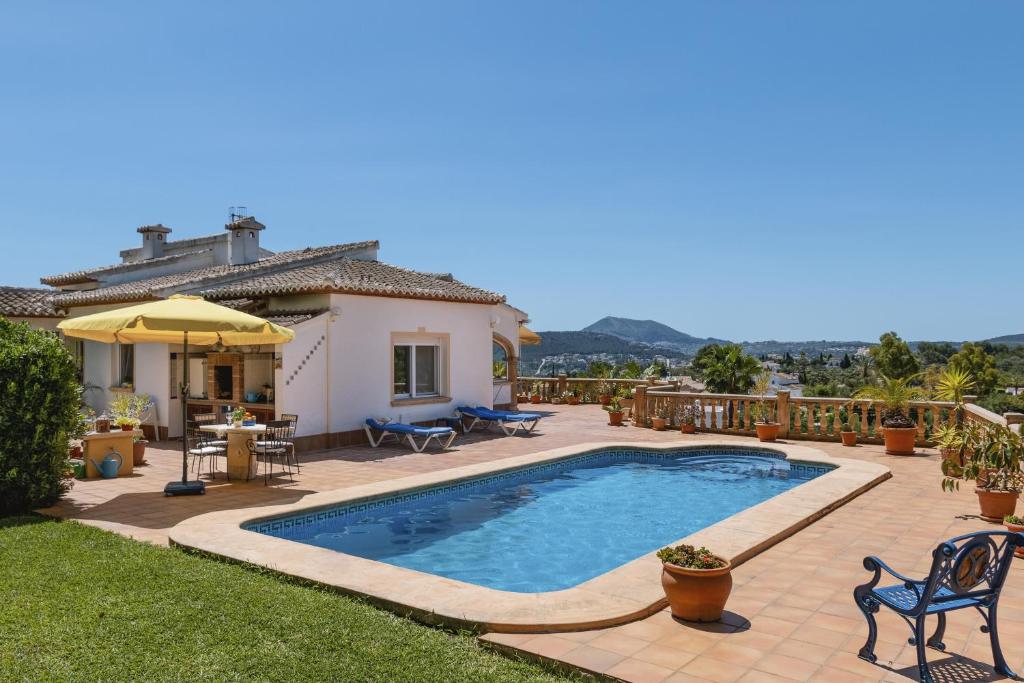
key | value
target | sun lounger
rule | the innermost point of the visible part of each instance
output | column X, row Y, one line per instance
column 443, row 435
column 509, row 422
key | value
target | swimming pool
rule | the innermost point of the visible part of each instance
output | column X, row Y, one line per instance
column 551, row 526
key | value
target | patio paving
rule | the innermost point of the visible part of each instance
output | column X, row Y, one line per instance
column 791, row 615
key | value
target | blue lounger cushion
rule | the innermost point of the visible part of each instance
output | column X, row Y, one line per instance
column 402, row 428
column 499, row 415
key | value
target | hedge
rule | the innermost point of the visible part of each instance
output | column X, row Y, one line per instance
column 40, row 400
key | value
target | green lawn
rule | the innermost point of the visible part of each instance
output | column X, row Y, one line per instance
column 77, row 603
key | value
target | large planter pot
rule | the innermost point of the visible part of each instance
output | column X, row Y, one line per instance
column 659, row 423
column 573, row 400
column 688, row 428
column 615, row 418
column 899, row 440
column 604, row 399
column 1018, row 528
column 767, row 431
column 696, row 594
column 849, row 438
column 996, row 504
column 139, row 452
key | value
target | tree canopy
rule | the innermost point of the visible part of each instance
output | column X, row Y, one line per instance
column 893, row 357
column 974, row 359
column 725, row 369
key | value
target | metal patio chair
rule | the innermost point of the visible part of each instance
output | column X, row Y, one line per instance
column 201, row 446
column 273, row 445
column 967, row 571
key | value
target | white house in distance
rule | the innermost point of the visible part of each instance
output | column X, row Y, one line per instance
column 371, row 339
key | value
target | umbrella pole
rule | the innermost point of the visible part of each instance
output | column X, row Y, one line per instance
column 184, row 487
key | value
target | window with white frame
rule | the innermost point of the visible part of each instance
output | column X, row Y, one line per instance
column 418, row 368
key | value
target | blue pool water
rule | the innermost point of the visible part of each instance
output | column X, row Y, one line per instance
column 553, row 526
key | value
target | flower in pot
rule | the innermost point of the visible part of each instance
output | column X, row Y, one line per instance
column 126, row 424
column 605, row 391
column 993, row 463
column 1015, row 524
column 237, row 417
column 572, row 397
column 660, row 419
column 688, row 418
column 895, row 396
column 767, row 428
column 535, row 393
column 697, row 582
column 614, row 409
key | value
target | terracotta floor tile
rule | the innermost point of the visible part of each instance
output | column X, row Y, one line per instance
column 787, row 667
column 662, row 655
column 592, row 658
column 638, row 671
column 714, row 670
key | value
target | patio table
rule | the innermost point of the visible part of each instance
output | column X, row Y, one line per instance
column 241, row 462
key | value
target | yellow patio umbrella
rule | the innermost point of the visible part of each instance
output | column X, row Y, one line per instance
column 528, row 336
column 178, row 320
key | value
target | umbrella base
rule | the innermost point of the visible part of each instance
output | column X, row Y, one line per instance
column 185, row 488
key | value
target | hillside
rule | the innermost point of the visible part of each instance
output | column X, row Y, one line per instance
column 584, row 343
column 645, row 332
column 1008, row 339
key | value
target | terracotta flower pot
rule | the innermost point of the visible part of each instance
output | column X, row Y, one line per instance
column 139, row 452
column 767, row 431
column 535, row 398
column 75, row 452
column 1019, row 552
column 127, row 428
column 849, row 438
column 996, row 504
column 615, row 418
column 688, row 428
column 573, row 400
column 697, row 594
column 604, row 399
column 659, row 423
column 899, row 440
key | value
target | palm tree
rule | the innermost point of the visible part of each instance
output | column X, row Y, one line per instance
column 953, row 385
column 895, row 396
column 726, row 369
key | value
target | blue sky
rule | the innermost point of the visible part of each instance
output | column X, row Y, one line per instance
column 740, row 170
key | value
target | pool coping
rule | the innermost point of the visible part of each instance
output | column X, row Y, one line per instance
column 629, row 592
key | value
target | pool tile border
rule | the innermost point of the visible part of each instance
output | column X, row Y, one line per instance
column 626, row 593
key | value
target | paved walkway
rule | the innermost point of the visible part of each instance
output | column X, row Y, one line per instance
column 791, row 614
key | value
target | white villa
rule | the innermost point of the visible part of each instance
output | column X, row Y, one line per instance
column 371, row 339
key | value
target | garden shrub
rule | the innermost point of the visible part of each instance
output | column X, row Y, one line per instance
column 39, row 403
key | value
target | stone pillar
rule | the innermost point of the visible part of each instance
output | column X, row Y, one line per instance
column 640, row 406
column 1014, row 419
column 782, row 411
column 563, row 384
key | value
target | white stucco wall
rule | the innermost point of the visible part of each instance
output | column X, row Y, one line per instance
column 97, row 372
column 152, row 376
column 355, row 372
column 302, row 382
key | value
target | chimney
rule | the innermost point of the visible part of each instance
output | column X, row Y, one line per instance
column 244, row 240
column 153, row 239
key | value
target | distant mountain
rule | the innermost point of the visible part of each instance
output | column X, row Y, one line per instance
column 646, row 332
column 1008, row 339
column 584, row 343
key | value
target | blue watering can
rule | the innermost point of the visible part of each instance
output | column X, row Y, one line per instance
column 110, row 465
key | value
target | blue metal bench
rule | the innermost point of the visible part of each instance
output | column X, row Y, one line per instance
column 967, row 571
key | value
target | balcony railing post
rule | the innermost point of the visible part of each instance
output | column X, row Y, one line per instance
column 782, row 406
column 640, row 406
column 563, row 384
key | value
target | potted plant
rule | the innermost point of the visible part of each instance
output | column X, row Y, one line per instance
column 993, row 464
column 953, row 385
column 697, row 583
column 605, row 390
column 139, row 451
column 660, row 419
column 126, row 424
column 1015, row 524
column 767, row 429
column 688, row 418
column 237, row 417
column 846, row 432
column 614, row 409
column 535, row 393
column 572, row 397
column 895, row 396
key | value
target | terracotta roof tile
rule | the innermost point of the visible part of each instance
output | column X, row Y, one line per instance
column 92, row 274
column 191, row 280
column 352, row 276
column 28, row 302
